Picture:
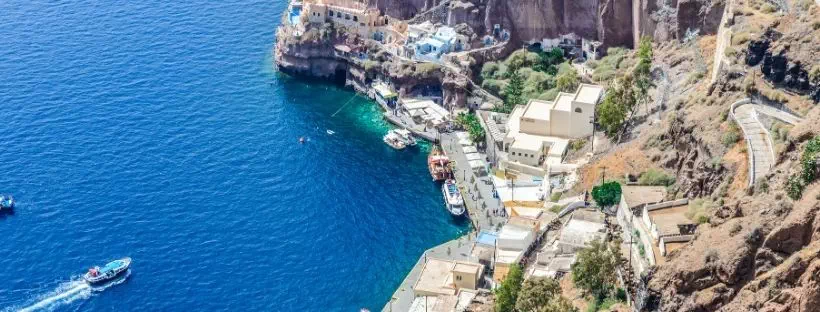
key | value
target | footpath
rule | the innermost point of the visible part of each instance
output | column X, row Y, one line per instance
column 761, row 150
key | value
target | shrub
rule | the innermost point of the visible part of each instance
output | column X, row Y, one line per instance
column 549, row 95
column 555, row 196
column 489, row 70
column 536, row 83
column 425, row 69
column 699, row 210
column 577, row 144
column 656, row 177
column 494, row 86
column 730, row 52
column 732, row 134
column 794, row 187
column 740, row 38
column 768, row 8
column 556, row 208
column 607, row 194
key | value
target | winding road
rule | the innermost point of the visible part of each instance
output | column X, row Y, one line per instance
column 758, row 140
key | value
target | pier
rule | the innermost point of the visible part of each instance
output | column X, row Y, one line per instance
column 480, row 205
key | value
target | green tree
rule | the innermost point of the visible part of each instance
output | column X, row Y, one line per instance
column 507, row 294
column 542, row 295
column 470, row 123
column 619, row 100
column 548, row 60
column 642, row 71
column 568, row 81
column 595, row 269
column 607, row 194
column 514, row 92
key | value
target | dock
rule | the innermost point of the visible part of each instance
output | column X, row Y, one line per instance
column 480, row 204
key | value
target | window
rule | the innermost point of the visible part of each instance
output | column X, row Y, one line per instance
column 578, row 110
column 330, row 13
column 355, row 18
column 458, row 277
column 347, row 17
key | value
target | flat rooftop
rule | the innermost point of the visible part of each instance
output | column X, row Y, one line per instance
column 588, row 93
column 538, row 109
column 564, row 101
column 668, row 219
column 636, row 195
column 514, row 231
column 433, row 277
column 526, row 142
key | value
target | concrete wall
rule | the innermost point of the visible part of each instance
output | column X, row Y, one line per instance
column 534, row 126
column 580, row 122
column 560, row 123
column 527, row 157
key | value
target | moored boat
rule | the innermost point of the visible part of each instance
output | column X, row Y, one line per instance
column 394, row 140
column 406, row 135
column 439, row 165
column 108, row 272
column 6, row 202
column 452, row 198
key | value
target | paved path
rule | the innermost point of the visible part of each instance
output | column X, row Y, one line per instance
column 479, row 202
column 758, row 140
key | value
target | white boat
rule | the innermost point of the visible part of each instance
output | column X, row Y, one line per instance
column 109, row 271
column 406, row 135
column 331, row 132
column 394, row 140
column 453, row 199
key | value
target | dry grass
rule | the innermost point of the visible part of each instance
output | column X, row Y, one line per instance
column 628, row 159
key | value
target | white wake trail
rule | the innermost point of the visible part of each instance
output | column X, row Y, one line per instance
column 64, row 294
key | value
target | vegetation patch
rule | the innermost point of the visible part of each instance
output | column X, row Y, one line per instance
column 808, row 172
column 607, row 194
column 470, row 123
column 656, row 177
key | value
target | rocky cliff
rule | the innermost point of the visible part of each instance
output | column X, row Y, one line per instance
column 613, row 22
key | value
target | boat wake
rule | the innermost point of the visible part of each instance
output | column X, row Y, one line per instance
column 68, row 292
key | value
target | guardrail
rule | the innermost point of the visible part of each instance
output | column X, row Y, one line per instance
column 750, row 151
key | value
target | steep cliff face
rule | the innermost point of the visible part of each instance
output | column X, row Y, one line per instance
column 701, row 15
column 403, row 9
column 612, row 13
column 613, row 22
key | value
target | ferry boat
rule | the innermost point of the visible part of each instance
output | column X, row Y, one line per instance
column 6, row 202
column 439, row 165
column 111, row 270
column 453, row 199
column 393, row 139
column 406, row 135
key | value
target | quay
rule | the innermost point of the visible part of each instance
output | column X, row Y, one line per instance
column 480, row 205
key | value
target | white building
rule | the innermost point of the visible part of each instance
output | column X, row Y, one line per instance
column 513, row 241
column 538, row 133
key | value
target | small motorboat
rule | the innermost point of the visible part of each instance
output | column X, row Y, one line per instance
column 452, row 198
column 330, row 132
column 108, row 272
column 6, row 202
column 302, row 140
column 406, row 135
column 392, row 139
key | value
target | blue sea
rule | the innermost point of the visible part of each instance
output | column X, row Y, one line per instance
column 160, row 130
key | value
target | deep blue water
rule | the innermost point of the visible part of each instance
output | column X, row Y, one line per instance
column 159, row 130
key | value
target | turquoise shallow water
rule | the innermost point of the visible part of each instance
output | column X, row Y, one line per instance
column 158, row 130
